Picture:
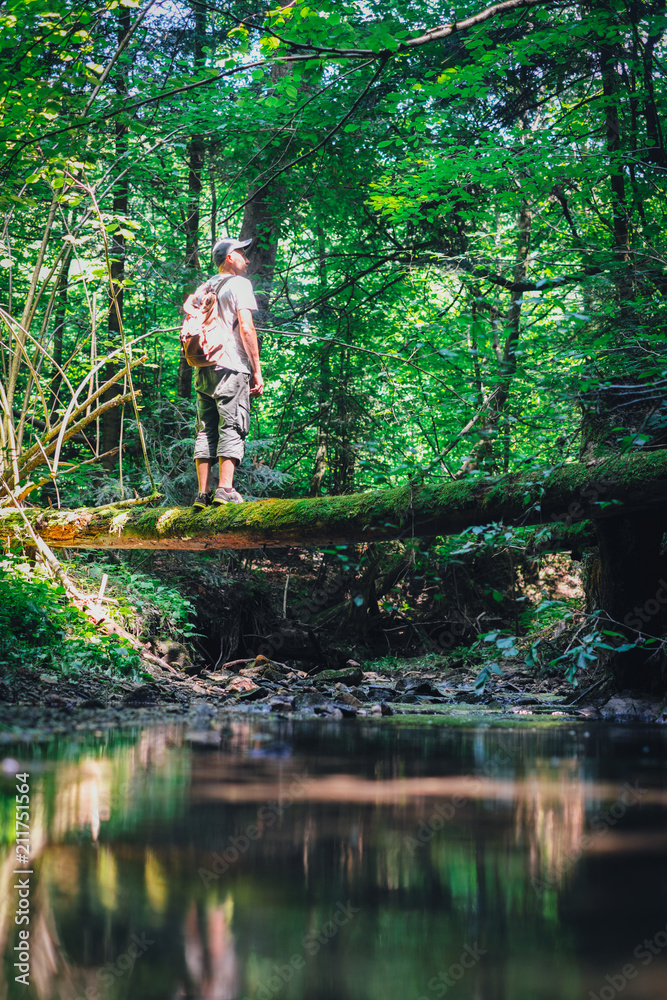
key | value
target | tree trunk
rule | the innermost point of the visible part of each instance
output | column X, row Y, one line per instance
column 567, row 494
column 344, row 428
column 632, row 592
column 626, row 571
column 196, row 154
column 112, row 418
column 260, row 224
column 324, row 384
column 611, row 84
column 654, row 136
column 58, row 332
column 623, row 578
column 508, row 358
column 195, row 166
column 261, row 218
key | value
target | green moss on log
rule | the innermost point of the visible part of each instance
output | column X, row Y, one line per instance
column 565, row 494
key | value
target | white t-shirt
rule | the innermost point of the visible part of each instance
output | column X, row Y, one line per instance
column 233, row 294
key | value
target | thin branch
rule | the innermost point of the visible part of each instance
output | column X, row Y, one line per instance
column 445, row 30
column 541, row 285
column 24, row 324
column 289, row 121
column 316, row 147
column 113, row 291
column 56, row 446
column 122, row 45
column 365, row 350
column 265, row 30
column 126, row 108
column 350, row 281
column 64, row 470
column 432, row 35
column 74, row 413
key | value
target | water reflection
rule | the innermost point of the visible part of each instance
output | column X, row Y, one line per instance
column 342, row 862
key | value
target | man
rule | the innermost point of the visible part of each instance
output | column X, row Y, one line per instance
column 224, row 390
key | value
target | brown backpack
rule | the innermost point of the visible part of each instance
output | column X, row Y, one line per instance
column 202, row 335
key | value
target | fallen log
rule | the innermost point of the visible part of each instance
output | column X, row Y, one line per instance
column 564, row 494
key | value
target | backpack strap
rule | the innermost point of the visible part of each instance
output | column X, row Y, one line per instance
column 212, row 284
column 218, row 280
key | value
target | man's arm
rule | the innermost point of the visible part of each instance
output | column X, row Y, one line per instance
column 251, row 347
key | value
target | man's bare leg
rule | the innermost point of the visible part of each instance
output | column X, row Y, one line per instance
column 227, row 467
column 225, row 492
column 204, row 466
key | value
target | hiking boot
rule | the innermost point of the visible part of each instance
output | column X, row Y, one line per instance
column 202, row 500
column 225, row 494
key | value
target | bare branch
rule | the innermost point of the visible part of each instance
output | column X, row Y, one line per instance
column 445, row 30
column 41, row 458
column 541, row 285
column 125, row 41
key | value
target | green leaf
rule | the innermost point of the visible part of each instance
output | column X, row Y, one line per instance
column 532, row 659
column 482, row 678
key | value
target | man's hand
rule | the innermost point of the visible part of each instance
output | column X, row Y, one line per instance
column 256, row 384
column 249, row 341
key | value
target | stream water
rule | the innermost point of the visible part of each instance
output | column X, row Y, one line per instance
column 337, row 861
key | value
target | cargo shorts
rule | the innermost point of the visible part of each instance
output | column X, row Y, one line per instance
column 223, row 413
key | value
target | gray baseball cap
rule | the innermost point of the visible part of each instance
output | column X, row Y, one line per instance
column 224, row 247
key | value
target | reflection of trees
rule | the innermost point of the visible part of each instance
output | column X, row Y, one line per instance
column 92, row 904
column 88, row 898
column 122, row 831
column 212, row 968
column 83, row 797
column 550, row 820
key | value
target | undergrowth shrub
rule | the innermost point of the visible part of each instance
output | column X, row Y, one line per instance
column 40, row 628
column 144, row 604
